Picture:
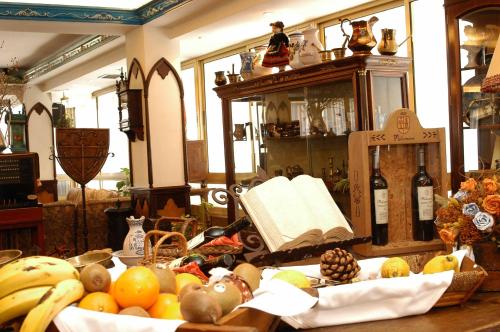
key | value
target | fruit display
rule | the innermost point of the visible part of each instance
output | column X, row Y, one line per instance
column 339, row 265
column 37, row 287
column 395, row 267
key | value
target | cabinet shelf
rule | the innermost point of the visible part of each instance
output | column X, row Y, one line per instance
column 305, row 138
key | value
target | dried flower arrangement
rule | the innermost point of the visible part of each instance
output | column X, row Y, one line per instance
column 471, row 215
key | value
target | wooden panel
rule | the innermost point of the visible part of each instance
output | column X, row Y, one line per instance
column 398, row 165
column 197, row 160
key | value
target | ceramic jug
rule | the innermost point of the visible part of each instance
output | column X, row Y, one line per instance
column 362, row 40
column 246, row 70
column 258, row 69
column 311, row 46
column 296, row 40
column 220, row 78
column 134, row 241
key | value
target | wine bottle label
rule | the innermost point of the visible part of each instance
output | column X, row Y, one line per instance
column 176, row 263
column 425, row 203
column 196, row 241
column 381, row 206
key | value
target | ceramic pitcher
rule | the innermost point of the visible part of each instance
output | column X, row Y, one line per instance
column 134, row 241
column 246, row 70
column 296, row 40
column 258, row 69
column 362, row 40
column 309, row 52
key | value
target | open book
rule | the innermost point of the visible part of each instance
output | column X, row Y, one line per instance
column 300, row 212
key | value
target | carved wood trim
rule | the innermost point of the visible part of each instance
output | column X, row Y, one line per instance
column 40, row 108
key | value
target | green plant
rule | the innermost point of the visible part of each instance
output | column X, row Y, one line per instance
column 123, row 186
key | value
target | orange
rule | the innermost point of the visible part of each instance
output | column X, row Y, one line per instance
column 172, row 311
column 160, row 306
column 182, row 279
column 99, row 301
column 138, row 286
column 111, row 289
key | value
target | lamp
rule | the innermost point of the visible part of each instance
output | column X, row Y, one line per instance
column 491, row 83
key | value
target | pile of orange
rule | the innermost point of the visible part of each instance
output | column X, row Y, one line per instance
column 139, row 286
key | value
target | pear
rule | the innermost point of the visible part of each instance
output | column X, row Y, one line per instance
column 227, row 294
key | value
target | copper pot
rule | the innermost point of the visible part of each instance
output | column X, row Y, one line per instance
column 362, row 40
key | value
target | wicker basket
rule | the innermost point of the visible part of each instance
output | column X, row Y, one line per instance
column 217, row 250
column 463, row 285
column 164, row 253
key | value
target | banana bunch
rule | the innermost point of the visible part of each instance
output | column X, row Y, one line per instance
column 38, row 286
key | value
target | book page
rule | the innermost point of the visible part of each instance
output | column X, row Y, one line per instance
column 278, row 211
column 325, row 212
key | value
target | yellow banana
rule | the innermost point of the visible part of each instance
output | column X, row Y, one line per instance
column 21, row 302
column 55, row 300
column 34, row 271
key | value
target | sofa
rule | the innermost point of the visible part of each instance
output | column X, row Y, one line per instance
column 59, row 219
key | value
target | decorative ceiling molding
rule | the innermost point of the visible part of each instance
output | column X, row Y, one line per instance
column 71, row 53
column 139, row 16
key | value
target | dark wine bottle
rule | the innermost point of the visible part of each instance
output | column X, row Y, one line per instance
column 379, row 202
column 214, row 232
column 204, row 263
column 422, row 201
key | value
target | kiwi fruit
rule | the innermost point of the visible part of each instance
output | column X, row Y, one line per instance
column 227, row 294
column 134, row 311
column 95, row 278
column 191, row 287
column 250, row 274
column 199, row 307
column 166, row 277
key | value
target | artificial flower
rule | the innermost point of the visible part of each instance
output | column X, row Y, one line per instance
column 447, row 235
column 490, row 186
column 470, row 209
column 484, row 221
column 468, row 185
column 460, row 195
column 491, row 204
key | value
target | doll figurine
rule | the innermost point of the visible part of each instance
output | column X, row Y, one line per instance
column 277, row 51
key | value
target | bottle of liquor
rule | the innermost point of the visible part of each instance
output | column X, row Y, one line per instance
column 422, row 201
column 204, row 263
column 214, row 232
column 379, row 202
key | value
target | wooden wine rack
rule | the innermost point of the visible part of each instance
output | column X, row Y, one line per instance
column 398, row 142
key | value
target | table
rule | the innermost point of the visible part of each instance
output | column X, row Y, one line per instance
column 480, row 313
column 31, row 217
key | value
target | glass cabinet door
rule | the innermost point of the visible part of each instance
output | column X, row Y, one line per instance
column 478, row 34
column 388, row 94
column 299, row 131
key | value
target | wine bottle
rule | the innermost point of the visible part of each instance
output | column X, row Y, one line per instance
column 204, row 263
column 422, row 201
column 214, row 232
column 379, row 202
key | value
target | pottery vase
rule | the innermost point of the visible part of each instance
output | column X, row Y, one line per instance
column 247, row 69
column 220, row 78
column 258, row 69
column 296, row 40
column 133, row 244
column 311, row 46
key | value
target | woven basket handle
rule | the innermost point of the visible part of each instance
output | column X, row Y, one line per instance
column 147, row 241
column 168, row 235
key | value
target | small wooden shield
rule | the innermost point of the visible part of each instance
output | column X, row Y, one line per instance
column 82, row 152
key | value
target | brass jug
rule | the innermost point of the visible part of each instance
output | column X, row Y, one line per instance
column 388, row 45
column 362, row 40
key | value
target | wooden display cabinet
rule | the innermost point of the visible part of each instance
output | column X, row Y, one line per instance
column 298, row 121
column 398, row 142
column 472, row 29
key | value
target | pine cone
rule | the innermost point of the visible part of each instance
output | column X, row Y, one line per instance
column 339, row 265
